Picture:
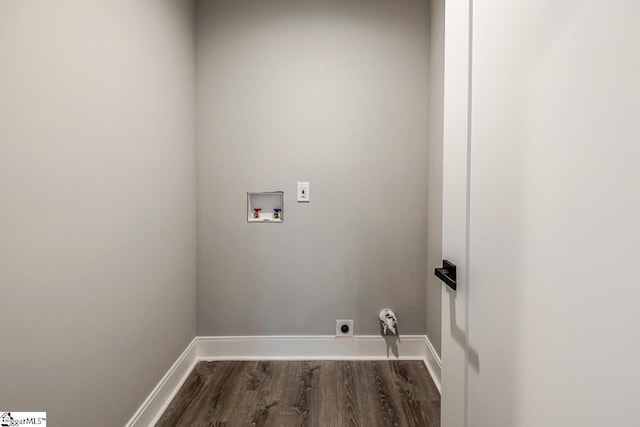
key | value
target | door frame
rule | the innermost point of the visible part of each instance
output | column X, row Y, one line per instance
column 456, row 209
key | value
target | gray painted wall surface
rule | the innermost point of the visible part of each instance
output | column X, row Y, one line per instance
column 434, row 181
column 335, row 93
column 97, row 204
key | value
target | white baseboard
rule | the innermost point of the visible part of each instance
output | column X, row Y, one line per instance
column 311, row 347
column 156, row 403
column 433, row 363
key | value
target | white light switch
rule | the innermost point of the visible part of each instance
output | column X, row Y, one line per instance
column 303, row 192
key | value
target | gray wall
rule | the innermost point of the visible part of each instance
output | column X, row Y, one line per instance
column 434, row 214
column 335, row 93
column 97, row 204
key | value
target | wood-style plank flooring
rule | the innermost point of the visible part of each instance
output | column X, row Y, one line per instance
column 306, row 393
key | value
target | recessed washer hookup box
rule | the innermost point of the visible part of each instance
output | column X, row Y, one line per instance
column 265, row 207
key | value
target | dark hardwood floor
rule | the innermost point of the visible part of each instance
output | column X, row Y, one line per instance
column 306, row 393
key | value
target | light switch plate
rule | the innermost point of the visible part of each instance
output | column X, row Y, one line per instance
column 303, row 192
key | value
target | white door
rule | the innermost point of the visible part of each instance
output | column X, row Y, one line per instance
column 552, row 288
column 455, row 211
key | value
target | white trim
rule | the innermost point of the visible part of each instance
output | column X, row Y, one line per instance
column 310, row 347
column 433, row 363
column 282, row 347
column 157, row 402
